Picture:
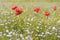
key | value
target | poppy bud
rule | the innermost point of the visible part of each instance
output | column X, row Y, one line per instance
column 55, row 8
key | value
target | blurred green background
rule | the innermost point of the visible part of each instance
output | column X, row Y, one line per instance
column 29, row 0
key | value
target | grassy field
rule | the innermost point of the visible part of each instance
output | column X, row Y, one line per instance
column 29, row 0
column 29, row 25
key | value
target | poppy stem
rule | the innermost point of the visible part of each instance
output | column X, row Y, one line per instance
column 47, row 20
column 47, row 17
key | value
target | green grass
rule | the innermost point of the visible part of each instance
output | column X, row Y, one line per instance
column 30, row 24
column 30, row 0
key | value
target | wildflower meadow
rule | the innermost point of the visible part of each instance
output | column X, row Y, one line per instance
column 29, row 20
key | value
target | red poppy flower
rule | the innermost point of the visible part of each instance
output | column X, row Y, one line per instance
column 36, row 10
column 14, row 7
column 17, row 13
column 47, row 14
column 20, row 10
column 55, row 8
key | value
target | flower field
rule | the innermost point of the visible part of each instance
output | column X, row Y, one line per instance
column 29, row 21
